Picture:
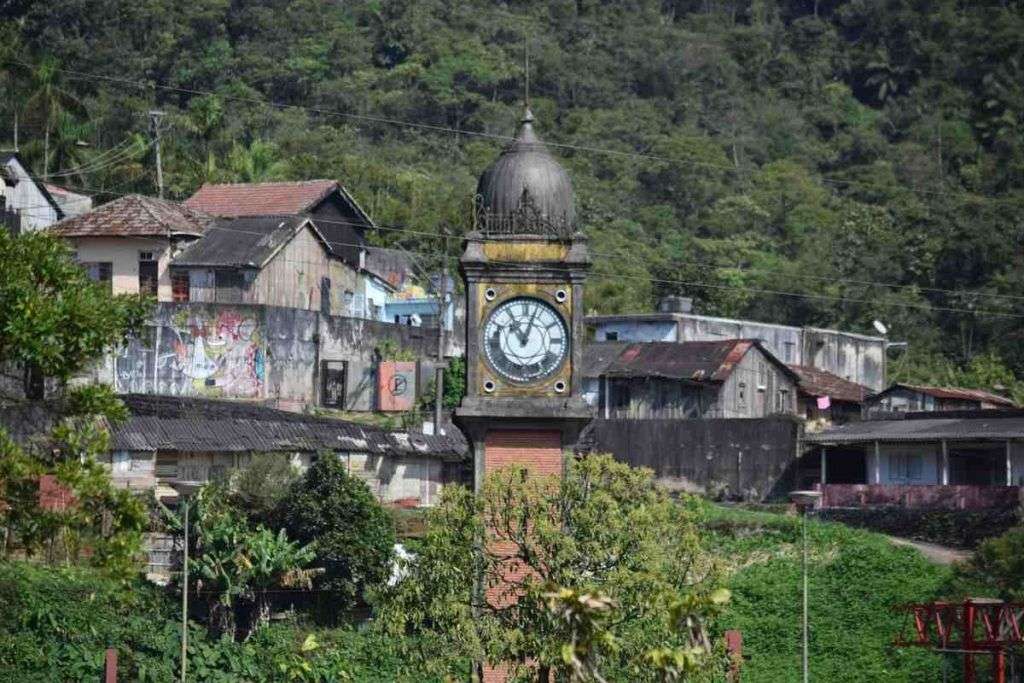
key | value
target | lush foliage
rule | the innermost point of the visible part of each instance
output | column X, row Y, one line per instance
column 954, row 528
column 998, row 563
column 53, row 319
column 613, row 580
column 260, row 486
column 856, row 578
column 100, row 523
column 56, row 624
column 233, row 566
column 354, row 535
column 863, row 158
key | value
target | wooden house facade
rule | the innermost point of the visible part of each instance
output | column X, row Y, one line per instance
column 736, row 378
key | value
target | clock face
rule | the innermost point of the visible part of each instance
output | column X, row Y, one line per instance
column 525, row 339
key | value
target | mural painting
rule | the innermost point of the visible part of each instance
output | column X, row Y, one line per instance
column 194, row 353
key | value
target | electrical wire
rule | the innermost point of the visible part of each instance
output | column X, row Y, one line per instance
column 81, row 75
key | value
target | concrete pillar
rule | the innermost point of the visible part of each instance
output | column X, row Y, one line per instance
column 824, row 479
column 876, row 477
column 1009, row 463
column 945, row 463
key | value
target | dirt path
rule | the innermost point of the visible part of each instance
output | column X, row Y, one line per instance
column 936, row 553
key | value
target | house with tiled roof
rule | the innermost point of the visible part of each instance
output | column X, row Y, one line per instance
column 130, row 242
column 902, row 398
column 822, row 395
column 731, row 378
column 338, row 216
column 361, row 279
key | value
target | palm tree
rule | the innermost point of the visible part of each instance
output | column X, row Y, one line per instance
column 49, row 100
column 256, row 163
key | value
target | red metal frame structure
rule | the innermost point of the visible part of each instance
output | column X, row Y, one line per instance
column 976, row 626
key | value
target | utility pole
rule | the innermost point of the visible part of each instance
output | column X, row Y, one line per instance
column 155, row 119
column 184, row 593
column 442, row 311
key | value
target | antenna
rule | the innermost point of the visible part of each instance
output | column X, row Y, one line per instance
column 526, row 52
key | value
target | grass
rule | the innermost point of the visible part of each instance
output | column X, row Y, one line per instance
column 855, row 579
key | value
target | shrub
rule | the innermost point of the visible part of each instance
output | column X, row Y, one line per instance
column 999, row 563
column 954, row 528
column 354, row 535
column 260, row 486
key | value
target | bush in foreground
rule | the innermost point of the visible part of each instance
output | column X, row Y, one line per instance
column 354, row 535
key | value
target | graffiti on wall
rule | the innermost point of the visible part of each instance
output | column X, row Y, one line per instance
column 396, row 385
column 195, row 353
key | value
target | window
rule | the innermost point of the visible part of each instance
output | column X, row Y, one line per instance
column 762, row 376
column 787, row 351
column 147, row 274
column 228, row 284
column 332, row 394
column 741, row 394
column 325, row 295
column 179, row 286
column 99, row 271
column 782, row 401
column 611, row 336
column 120, row 462
column 905, row 467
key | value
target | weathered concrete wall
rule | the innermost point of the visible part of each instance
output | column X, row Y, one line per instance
column 736, row 458
column 250, row 351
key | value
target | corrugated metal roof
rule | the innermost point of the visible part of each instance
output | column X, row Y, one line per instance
column 956, row 393
column 241, row 242
column 168, row 423
column 699, row 361
column 209, row 425
column 134, row 215
column 918, row 430
column 815, row 382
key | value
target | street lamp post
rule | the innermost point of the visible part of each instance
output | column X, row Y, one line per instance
column 805, row 501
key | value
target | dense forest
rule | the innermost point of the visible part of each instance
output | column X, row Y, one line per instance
column 802, row 161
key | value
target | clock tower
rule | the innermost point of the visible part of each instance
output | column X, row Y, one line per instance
column 524, row 266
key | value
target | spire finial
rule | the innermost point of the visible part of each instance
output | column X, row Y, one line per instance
column 526, row 51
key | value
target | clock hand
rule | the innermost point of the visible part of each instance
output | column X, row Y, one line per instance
column 529, row 327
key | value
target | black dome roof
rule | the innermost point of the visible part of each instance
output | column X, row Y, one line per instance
column 525, row 191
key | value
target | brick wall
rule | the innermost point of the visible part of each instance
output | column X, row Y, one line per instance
column 541, row 452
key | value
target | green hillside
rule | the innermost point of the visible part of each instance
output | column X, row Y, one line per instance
column 804, row 161
column 855, row 578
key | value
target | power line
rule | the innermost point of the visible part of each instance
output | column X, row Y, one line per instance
column 81, row 75
column 689, row 283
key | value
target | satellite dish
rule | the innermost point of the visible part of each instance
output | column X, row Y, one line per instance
column 880, row 327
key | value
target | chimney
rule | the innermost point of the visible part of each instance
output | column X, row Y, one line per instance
column 675, row 304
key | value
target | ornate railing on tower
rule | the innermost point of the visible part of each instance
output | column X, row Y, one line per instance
column 526, row 219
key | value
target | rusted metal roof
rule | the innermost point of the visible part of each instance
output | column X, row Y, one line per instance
column 134, row 215
column 955, row 393
column 711, row 361
column 247, row 242
column 815, row 382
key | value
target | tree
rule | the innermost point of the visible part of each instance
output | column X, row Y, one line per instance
column 612, row 576
column 260, row 486
column 354, row 535
column 236, row 566
column 53, row 319
column 94, row 515
column 49, row 99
